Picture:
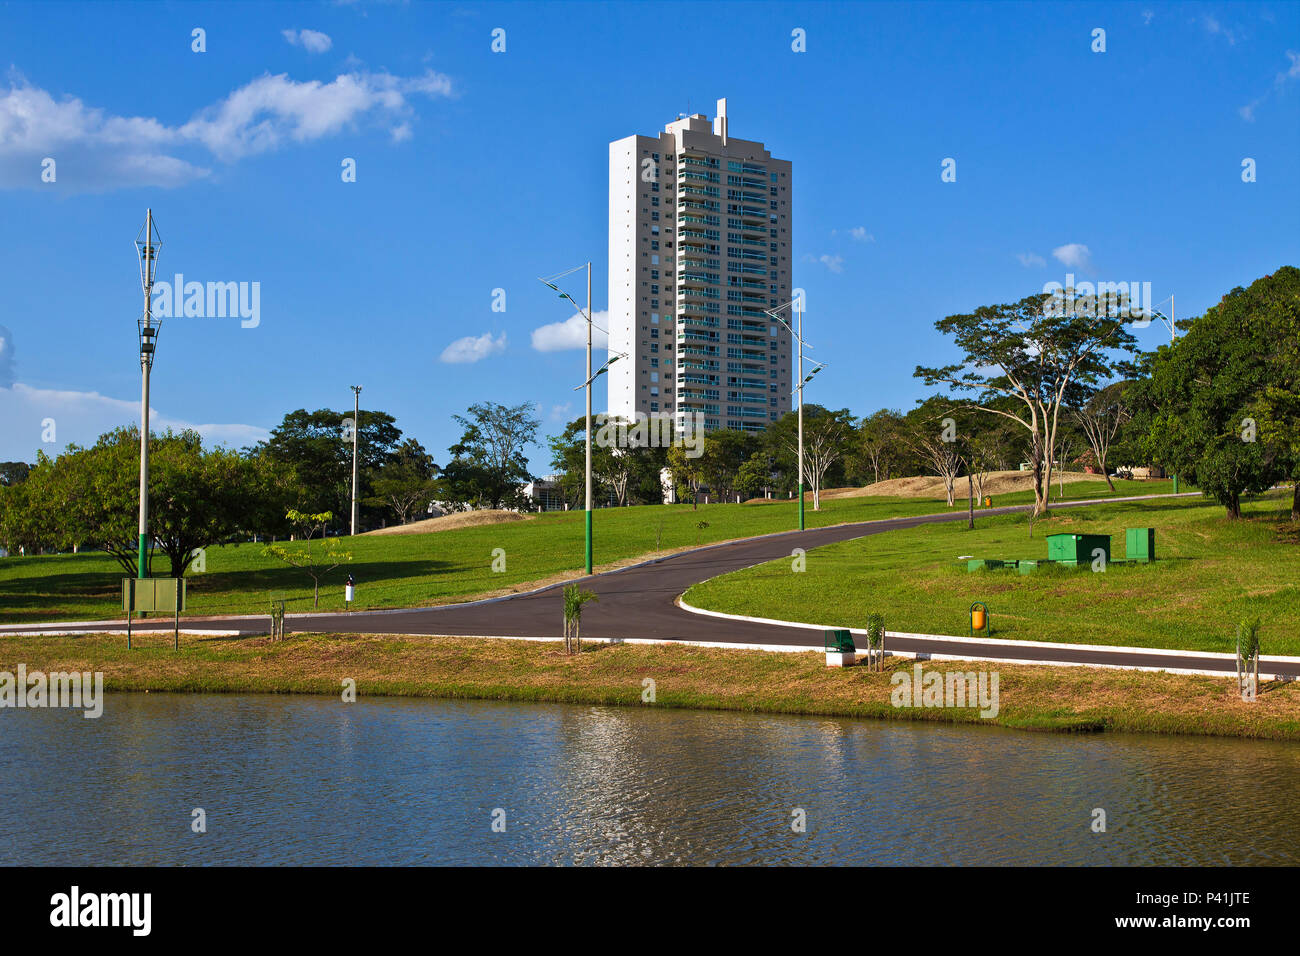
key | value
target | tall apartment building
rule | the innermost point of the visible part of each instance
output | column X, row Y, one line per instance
column 699, row 247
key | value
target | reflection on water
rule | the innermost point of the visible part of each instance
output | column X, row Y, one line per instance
column 316, row 781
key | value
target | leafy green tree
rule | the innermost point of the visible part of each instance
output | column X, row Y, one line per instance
column 407, row 481
column 89, row 497
column 569, row 460
column 318, row 447
column 1207, row 393
column 686, row 471
column 197, row 498
column 1045, row 358
column 488, row 465
column 754, row 475
column 877, row 447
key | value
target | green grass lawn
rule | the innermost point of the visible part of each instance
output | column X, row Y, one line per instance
column 447, row 566
column 1211, row 572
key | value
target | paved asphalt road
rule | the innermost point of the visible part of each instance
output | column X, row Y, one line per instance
column 638, row 602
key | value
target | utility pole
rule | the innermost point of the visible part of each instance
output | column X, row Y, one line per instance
column 591, row 378
column 356, row 427
column 588, row 418
column 798, row 310
column 1173, row 340
column 147, row 246
column 796, row 332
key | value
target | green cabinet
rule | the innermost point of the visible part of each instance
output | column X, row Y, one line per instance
column 1140, row 544
column 1076, row 548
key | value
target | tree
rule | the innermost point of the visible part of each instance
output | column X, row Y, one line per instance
column 90, row 497
column 488, row 465
column 781, row 442
column 1040, row 354
column 574, row 598
column 933, row 435
column 825, row 435
column 318, row 447
column 879, row 441
column 1278, row 408
column 407, row 481
column 686, row 471
column 1206, row 394
column 754, row 475
column 197, row 498
column 317, row 557
column 1101, row 418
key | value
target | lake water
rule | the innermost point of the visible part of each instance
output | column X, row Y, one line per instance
column 309, row 780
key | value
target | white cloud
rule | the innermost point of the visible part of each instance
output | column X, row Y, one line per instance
column 95, row 150
column 560, row 412
column 1291, row 73
column 861, row 235
column 1074, row 254
column 834, row 263
column 473, row 348
column 1247, row 112
column 1215, row 28
column 82, row 417
column 312, row 41
column 272, row 110
column 572, row 333
column 6, row 358
column 1031, row 260
column 1148, row 16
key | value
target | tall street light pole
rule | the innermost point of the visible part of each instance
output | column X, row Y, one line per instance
column 356, row 427
column 1173, row 340
column 591, row 378
column 798, row 310
column 797, row 334
column 588, row 518
column 147, row 246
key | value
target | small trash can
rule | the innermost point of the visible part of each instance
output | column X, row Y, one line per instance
column 349, row 590
column 840, row 651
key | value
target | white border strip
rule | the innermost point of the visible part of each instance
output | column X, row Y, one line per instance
column 1047, row 645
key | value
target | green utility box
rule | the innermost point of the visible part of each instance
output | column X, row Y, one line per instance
column 1026, row 567
column 977, row 564
column 1140, row 544
column 1076, row 548
column 838, row 640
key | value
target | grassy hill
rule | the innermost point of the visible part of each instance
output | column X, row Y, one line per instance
column 449, row 565
column 1210, row 574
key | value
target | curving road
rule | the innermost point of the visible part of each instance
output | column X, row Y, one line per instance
column 638, row 603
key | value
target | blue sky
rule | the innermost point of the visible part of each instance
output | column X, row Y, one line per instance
column 479, row 171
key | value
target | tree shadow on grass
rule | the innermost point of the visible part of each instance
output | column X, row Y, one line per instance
column 98, row 595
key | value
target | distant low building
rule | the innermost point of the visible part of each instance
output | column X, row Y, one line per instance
column 545, row 494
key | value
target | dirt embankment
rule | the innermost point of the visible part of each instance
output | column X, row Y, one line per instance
column 459, row 519
column 929, row 486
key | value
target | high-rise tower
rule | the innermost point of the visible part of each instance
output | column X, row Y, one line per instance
column 699, row 247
